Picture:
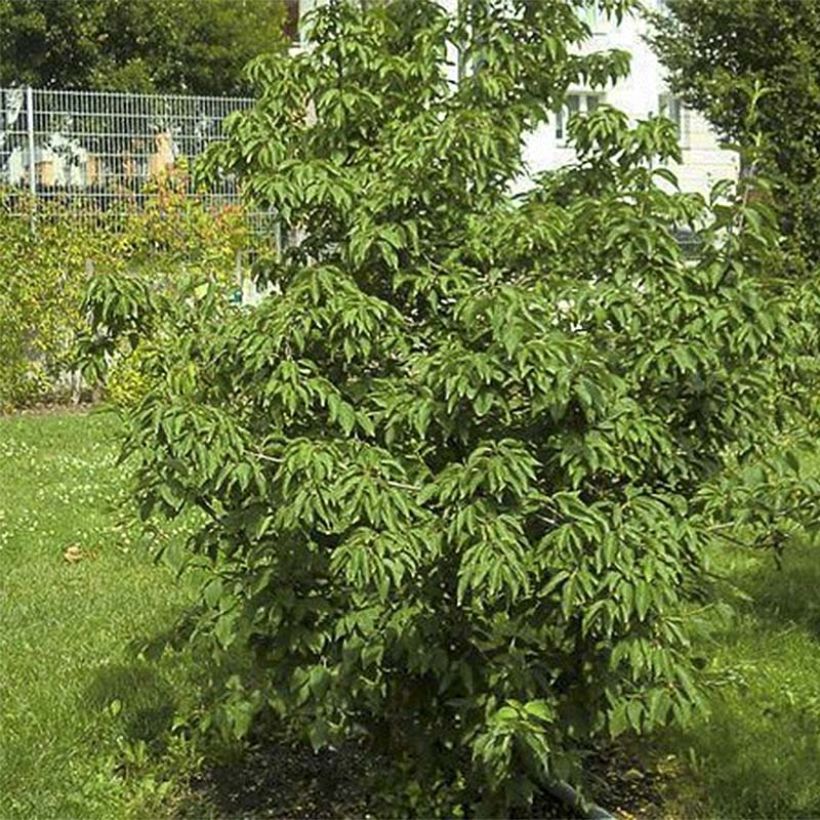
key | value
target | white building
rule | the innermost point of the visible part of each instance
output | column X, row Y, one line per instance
column 643, row 93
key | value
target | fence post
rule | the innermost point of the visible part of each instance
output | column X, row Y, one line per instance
column 238, row 296
column 32, row 165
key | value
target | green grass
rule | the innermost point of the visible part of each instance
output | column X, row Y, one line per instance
column 758, row 754
column 84, row 720
column 82, row 717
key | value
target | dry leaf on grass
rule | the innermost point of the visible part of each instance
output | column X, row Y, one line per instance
column 73, row 554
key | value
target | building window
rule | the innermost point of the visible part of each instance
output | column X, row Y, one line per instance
column 671, row 107
column 576, row 103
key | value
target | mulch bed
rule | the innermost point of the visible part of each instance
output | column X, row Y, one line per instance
column 287, row 782
column 625, row 785
column 278, row 781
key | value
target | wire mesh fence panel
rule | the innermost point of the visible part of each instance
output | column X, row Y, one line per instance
column 98, row 151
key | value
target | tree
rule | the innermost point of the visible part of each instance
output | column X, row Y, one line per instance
column 193, row 46
column 451, row 475
column 716, row 50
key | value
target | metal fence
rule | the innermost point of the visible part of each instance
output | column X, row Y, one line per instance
column 98, row 150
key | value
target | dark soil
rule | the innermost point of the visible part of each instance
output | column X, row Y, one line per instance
column 280, row 781
column 621, row 782
column 287, row 782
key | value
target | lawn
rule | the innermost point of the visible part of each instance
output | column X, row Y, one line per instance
column 84, row 719
column 80, row 712
column 758, row 755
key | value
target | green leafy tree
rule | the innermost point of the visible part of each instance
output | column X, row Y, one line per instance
column 194, row 46
column 452, row 472
column 716, row 50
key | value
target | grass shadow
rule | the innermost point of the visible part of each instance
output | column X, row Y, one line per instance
column 138, row 695
column 787, row 594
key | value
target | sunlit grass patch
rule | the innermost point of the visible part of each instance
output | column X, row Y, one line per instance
column 758, row 754
column 74, row 699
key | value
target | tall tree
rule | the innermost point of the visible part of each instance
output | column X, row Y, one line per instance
column 196, row 46
column 716, row 50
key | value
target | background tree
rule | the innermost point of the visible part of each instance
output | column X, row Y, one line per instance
column 193, row 46
column 716, row 50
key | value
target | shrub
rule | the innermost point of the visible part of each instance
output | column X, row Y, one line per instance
column 43, row 279
column 450, row 475
column 42, row 282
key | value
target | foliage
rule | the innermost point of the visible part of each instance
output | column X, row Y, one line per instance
column 717, row 49
column 454, row 472
column 41, row 288
column 770, row 60
column 176, row 242
column 193, row 46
